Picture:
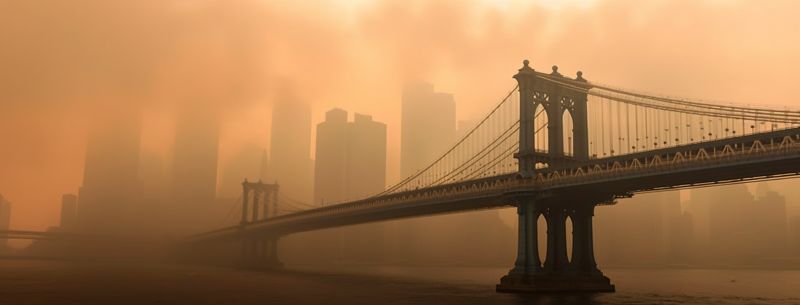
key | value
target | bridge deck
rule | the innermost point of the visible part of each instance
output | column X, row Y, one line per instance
column 755, row 156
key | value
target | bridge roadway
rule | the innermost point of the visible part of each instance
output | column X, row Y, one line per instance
column 76, row 236
column 758, row 156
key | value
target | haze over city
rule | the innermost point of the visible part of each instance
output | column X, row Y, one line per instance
column 142, row 120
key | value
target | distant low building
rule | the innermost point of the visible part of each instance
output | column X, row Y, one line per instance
column 644, row 230
column 741, row 228
column 794, row 235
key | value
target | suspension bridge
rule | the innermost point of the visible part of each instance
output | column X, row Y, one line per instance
column 553, row 147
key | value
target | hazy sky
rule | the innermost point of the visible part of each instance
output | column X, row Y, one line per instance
column 63, row 61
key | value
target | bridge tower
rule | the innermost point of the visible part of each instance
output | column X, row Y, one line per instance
column 549, row 92
column 259, row 251
column 558, row 271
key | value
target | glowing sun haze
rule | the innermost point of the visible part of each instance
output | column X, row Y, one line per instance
column 63, row 62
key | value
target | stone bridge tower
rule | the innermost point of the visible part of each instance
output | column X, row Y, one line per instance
column 557, row 95
column 559, row 271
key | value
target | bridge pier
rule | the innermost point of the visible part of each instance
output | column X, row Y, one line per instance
column 260, row 253
column 558, row 273
column 528, row 260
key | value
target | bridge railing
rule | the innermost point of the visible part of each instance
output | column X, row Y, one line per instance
column 711, row 155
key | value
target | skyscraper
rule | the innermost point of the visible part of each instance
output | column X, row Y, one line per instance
column 428, row 122
column 154, row 173
column 351, row 164
column 5, row 218
column 351, row 157
column 770, row 222
column 428, row 128
column 69, row 205
column 366, row 157
column 742, row 228
column 111, row 190
column 639, row 230
column 794, row 235
column 290, row 148
column 330, row 166
column 194, row 171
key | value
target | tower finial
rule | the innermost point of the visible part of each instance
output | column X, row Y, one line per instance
column 555, row 71
column 580, row 77
column 526, row 68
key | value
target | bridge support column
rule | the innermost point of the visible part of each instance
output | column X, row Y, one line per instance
column 256, row 197
column 260, row 253
column 557, row 260
column 245, row 198
column 528, row 264
column 558, row 274
column 528, row 261
column 272, row 254
column 249, row 252
column 583, row 262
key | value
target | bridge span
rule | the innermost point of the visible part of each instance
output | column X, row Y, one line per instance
column 536, row 151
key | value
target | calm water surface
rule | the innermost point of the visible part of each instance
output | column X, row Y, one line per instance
column 56, row 282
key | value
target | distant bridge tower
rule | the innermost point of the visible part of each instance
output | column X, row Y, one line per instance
column 259, row 251
column 556, row 100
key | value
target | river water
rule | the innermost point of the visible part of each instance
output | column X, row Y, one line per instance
column 59, row 282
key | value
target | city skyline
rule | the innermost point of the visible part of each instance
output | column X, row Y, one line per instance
column 682, row 203
column 408, row 152
column 54, row 137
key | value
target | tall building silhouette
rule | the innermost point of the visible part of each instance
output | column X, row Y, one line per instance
column 290, row 165
column 457, row 234
column 154, row 173
column 351, row 164
column 794, row 235
column 639, row 231
column 366, row 157
column 742, row 227
column 770, row 222
column 290, row 147
column 428, row 128
column 330, row 165
column 729, row 221
column 5, row 218
column 194, row 169
column 351, row 157
column 69, row 206
column 110, row 194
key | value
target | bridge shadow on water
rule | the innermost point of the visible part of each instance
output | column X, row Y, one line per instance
column 557, row 299
column 412, row 285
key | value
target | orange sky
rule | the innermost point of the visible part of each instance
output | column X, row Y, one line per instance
column 64, row 61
